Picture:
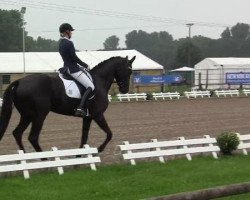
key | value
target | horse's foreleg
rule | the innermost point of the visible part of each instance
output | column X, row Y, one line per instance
column 101, row 121
column 85, row 130
column 18, row 132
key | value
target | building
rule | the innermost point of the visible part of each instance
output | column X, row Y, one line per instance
column 222, row 73
column 12, row 64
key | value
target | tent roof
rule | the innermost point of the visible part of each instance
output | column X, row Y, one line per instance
column 215, row 63
column 49, row 62
column 183, row 69
column 231, row 61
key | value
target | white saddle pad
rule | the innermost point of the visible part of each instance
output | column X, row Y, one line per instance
column 71, row 88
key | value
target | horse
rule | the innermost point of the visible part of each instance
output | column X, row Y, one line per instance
column 34, row 96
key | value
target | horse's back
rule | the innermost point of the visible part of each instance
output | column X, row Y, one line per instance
column 34, row 86
column 34, row 92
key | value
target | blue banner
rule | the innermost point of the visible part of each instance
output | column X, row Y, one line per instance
column 238, row 78
column 157, row 79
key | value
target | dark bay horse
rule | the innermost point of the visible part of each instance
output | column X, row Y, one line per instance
column 35, row 96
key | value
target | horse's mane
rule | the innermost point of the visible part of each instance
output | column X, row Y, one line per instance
column 110, row 61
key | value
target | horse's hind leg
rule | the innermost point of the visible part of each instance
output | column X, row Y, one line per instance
column 36, row 127
column 18, row 132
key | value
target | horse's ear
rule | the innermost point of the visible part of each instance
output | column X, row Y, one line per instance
column 126, row 57
column 132, row 60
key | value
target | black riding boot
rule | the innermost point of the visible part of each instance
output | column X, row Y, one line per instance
column 82, row 110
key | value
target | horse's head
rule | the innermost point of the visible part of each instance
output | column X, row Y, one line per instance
column 122, row 74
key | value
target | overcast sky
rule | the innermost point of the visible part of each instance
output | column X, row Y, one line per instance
column 96, row 20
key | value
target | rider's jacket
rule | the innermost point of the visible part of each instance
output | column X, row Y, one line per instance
column 67, row 51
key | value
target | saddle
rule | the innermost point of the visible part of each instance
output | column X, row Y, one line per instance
column 72, row 87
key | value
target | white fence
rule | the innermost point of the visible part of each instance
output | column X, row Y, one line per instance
column 169, row 148
column 169, row 95
column 244, row 143
column 135, row 96
column 29, row 161
column 225, row 93
column 176, row 95
column 181, row 146
column 197, row 93
column 246, row 91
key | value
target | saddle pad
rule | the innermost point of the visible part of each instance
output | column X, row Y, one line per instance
column 71, row 89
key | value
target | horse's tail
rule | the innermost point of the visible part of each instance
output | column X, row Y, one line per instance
column 6, row 110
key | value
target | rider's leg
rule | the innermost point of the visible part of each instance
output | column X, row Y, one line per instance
column 82, row 110
column 85, row 79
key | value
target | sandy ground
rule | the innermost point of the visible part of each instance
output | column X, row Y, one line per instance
column 140, row 122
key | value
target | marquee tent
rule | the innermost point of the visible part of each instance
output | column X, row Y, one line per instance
column 183, row 69
column 212, row 72
column 49, row 62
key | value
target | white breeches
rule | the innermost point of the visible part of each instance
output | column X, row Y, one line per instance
column 84, row 78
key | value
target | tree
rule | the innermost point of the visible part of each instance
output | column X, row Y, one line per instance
column 111, row 43
column 159, row 46
column 44, row 45
column 226, row 34
column 182, row 53
column 10, row 30
column 240, row 31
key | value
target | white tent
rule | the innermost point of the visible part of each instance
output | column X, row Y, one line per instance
column 183, row 69
column 212, row 71
column 49, row 62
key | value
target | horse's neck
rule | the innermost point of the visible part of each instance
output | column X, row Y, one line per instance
column 104, row 76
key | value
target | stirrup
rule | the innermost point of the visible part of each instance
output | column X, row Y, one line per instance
column 82, row 113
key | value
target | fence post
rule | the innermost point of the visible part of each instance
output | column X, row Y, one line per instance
column 185, row 147
column 60, row 169
column 161, row 158
column 92, row 165
column 23, row 163
column 132, row 161
column 241, row 143
column 210, row 144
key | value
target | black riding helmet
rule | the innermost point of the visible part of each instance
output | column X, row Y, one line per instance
column 65, row 27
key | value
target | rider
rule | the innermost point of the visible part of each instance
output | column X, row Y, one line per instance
column 71, row 61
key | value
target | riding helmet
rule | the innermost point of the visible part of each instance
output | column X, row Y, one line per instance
column 65, row 27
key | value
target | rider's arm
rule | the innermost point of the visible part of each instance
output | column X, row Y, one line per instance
column 75, row 57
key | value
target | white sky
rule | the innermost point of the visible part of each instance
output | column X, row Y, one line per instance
column 92, row 29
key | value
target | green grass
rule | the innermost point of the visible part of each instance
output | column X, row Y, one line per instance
column 129, row 182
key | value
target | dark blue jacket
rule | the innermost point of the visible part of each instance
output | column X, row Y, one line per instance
column 70, row 59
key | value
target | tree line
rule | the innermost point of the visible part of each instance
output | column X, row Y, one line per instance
column 11, row 34
column 159, row 46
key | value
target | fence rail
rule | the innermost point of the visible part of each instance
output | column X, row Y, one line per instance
column 226, row 93
column 197, row 93
column 169, row 95
column 134, row 96
column 181, row 146
column 169, row 148
column 61, row 158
